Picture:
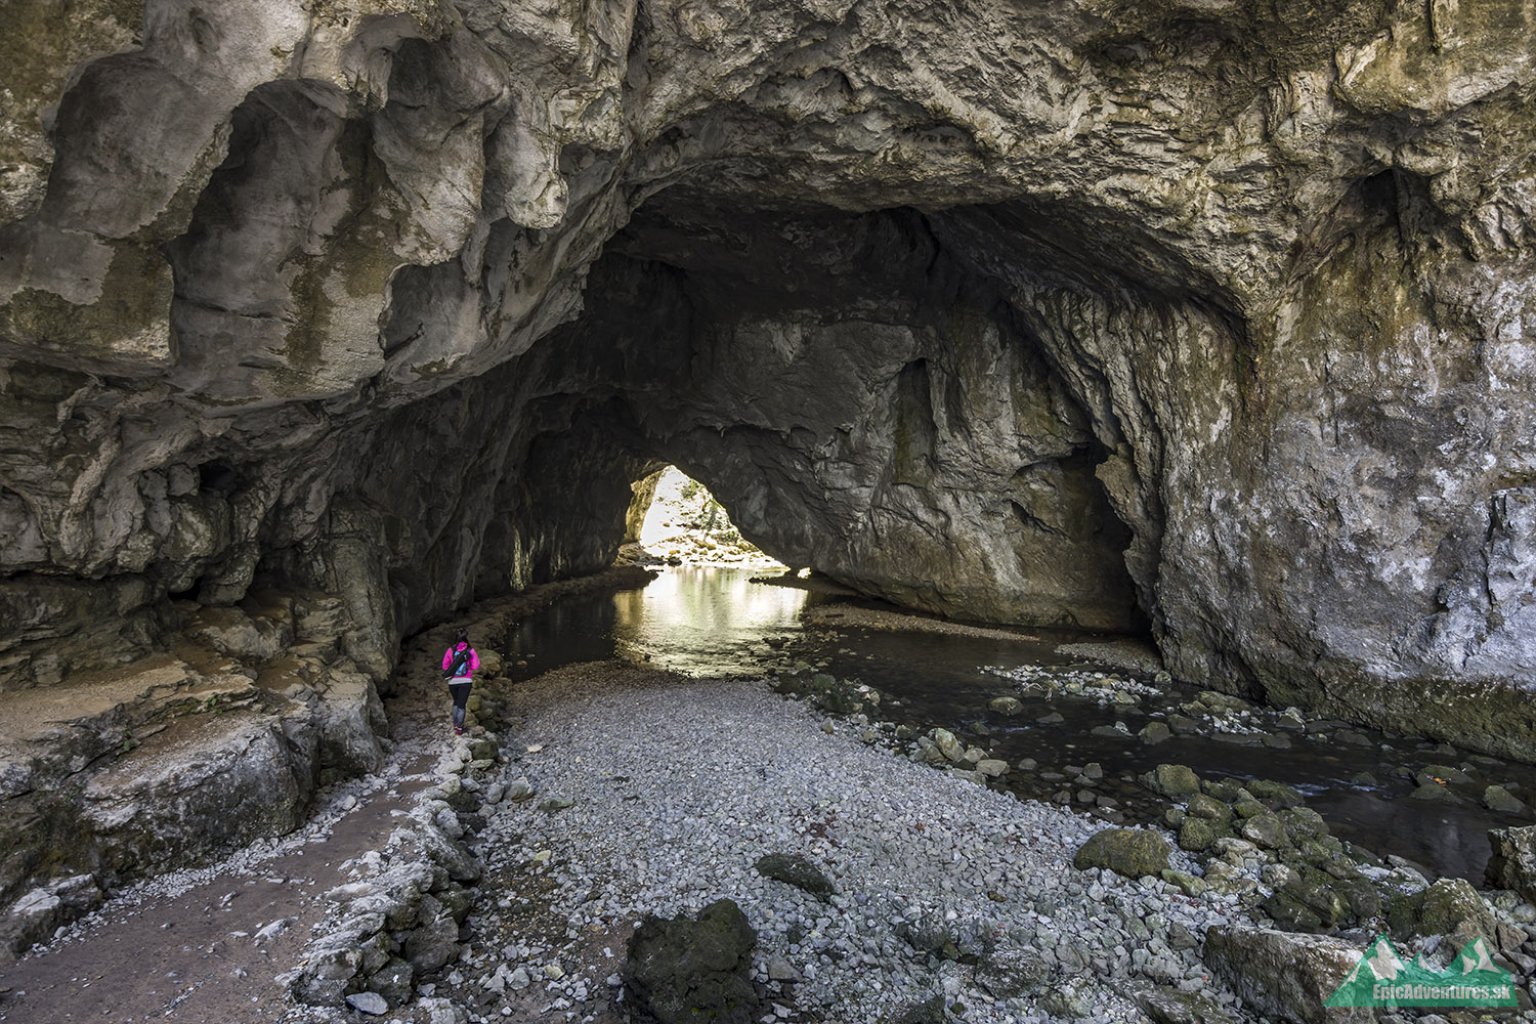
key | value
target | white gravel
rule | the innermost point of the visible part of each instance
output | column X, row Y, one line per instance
column 677, row 787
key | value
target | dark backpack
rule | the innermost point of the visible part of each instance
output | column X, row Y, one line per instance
column 460, row 659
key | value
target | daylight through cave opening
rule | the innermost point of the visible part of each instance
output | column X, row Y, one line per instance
column 676, row 520
column 860, row 401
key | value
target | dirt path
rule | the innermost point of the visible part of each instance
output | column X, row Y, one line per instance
column 208, row 945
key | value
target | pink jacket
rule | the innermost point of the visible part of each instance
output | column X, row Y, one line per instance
column 470, row 668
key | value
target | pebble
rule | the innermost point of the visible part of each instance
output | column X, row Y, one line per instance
column 925, row 868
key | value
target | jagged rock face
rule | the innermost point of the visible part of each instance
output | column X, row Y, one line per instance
column 1212, row 314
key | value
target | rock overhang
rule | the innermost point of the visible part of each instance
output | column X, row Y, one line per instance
column 1141, row 289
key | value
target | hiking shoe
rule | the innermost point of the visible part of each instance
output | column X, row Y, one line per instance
column 458, row 730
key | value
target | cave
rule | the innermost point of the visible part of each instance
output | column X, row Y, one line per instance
column 840, row 394
column 328, row 327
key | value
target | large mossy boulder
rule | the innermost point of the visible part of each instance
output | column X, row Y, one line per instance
column 1132, row 852
column 1317, row 900
column 688, row 971
column 1174, row 781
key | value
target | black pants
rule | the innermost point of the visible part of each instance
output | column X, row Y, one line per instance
column 460, row 692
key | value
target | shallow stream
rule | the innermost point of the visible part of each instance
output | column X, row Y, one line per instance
column 714, row 622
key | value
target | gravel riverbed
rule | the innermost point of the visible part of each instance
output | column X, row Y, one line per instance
column 675, row 788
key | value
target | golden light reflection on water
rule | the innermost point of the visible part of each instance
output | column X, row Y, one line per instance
column 692, row 611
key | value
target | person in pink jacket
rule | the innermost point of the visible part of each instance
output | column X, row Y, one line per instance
column 460, row 663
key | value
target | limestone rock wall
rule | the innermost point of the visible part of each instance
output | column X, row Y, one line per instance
column 1208, row 314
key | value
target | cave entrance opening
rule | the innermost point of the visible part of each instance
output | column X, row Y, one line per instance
column 674, row 519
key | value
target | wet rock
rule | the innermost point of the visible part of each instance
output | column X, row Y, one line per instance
column 1441, row 773
column 1279, row 975
column 1497, row 798
column 1513, row 864
column 793, row 869
column 1132, row 852
column 1451, row 907
column 992, row 768
column 948, row 745
column 1183, row 725
column 1435, row 792
column 683, row 970
column 1154, row 733
column 1172, row 780
column 1009, row 706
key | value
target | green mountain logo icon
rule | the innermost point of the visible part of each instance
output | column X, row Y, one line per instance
column 1382, row 978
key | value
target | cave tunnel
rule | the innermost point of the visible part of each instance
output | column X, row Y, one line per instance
column 327, row 329
column 862, row 404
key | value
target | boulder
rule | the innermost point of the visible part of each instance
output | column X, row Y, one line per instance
column 1132, row 852
column 793, row 869
column 1276, row 795
column 1009, row 706
column 1513, row 864
column 1497, row 798
column 433, row 945
column 1265, row 831
column 1209, row 808
column 1450, row 907
column 682, row 970
column 394, row 982
column 370, row 1003
column 1197, row 834
column 1279, row 975
column 948, row 745
column 1164, row 1004
column 1172, row 780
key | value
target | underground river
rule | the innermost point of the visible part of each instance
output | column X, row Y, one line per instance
column 716, row 622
